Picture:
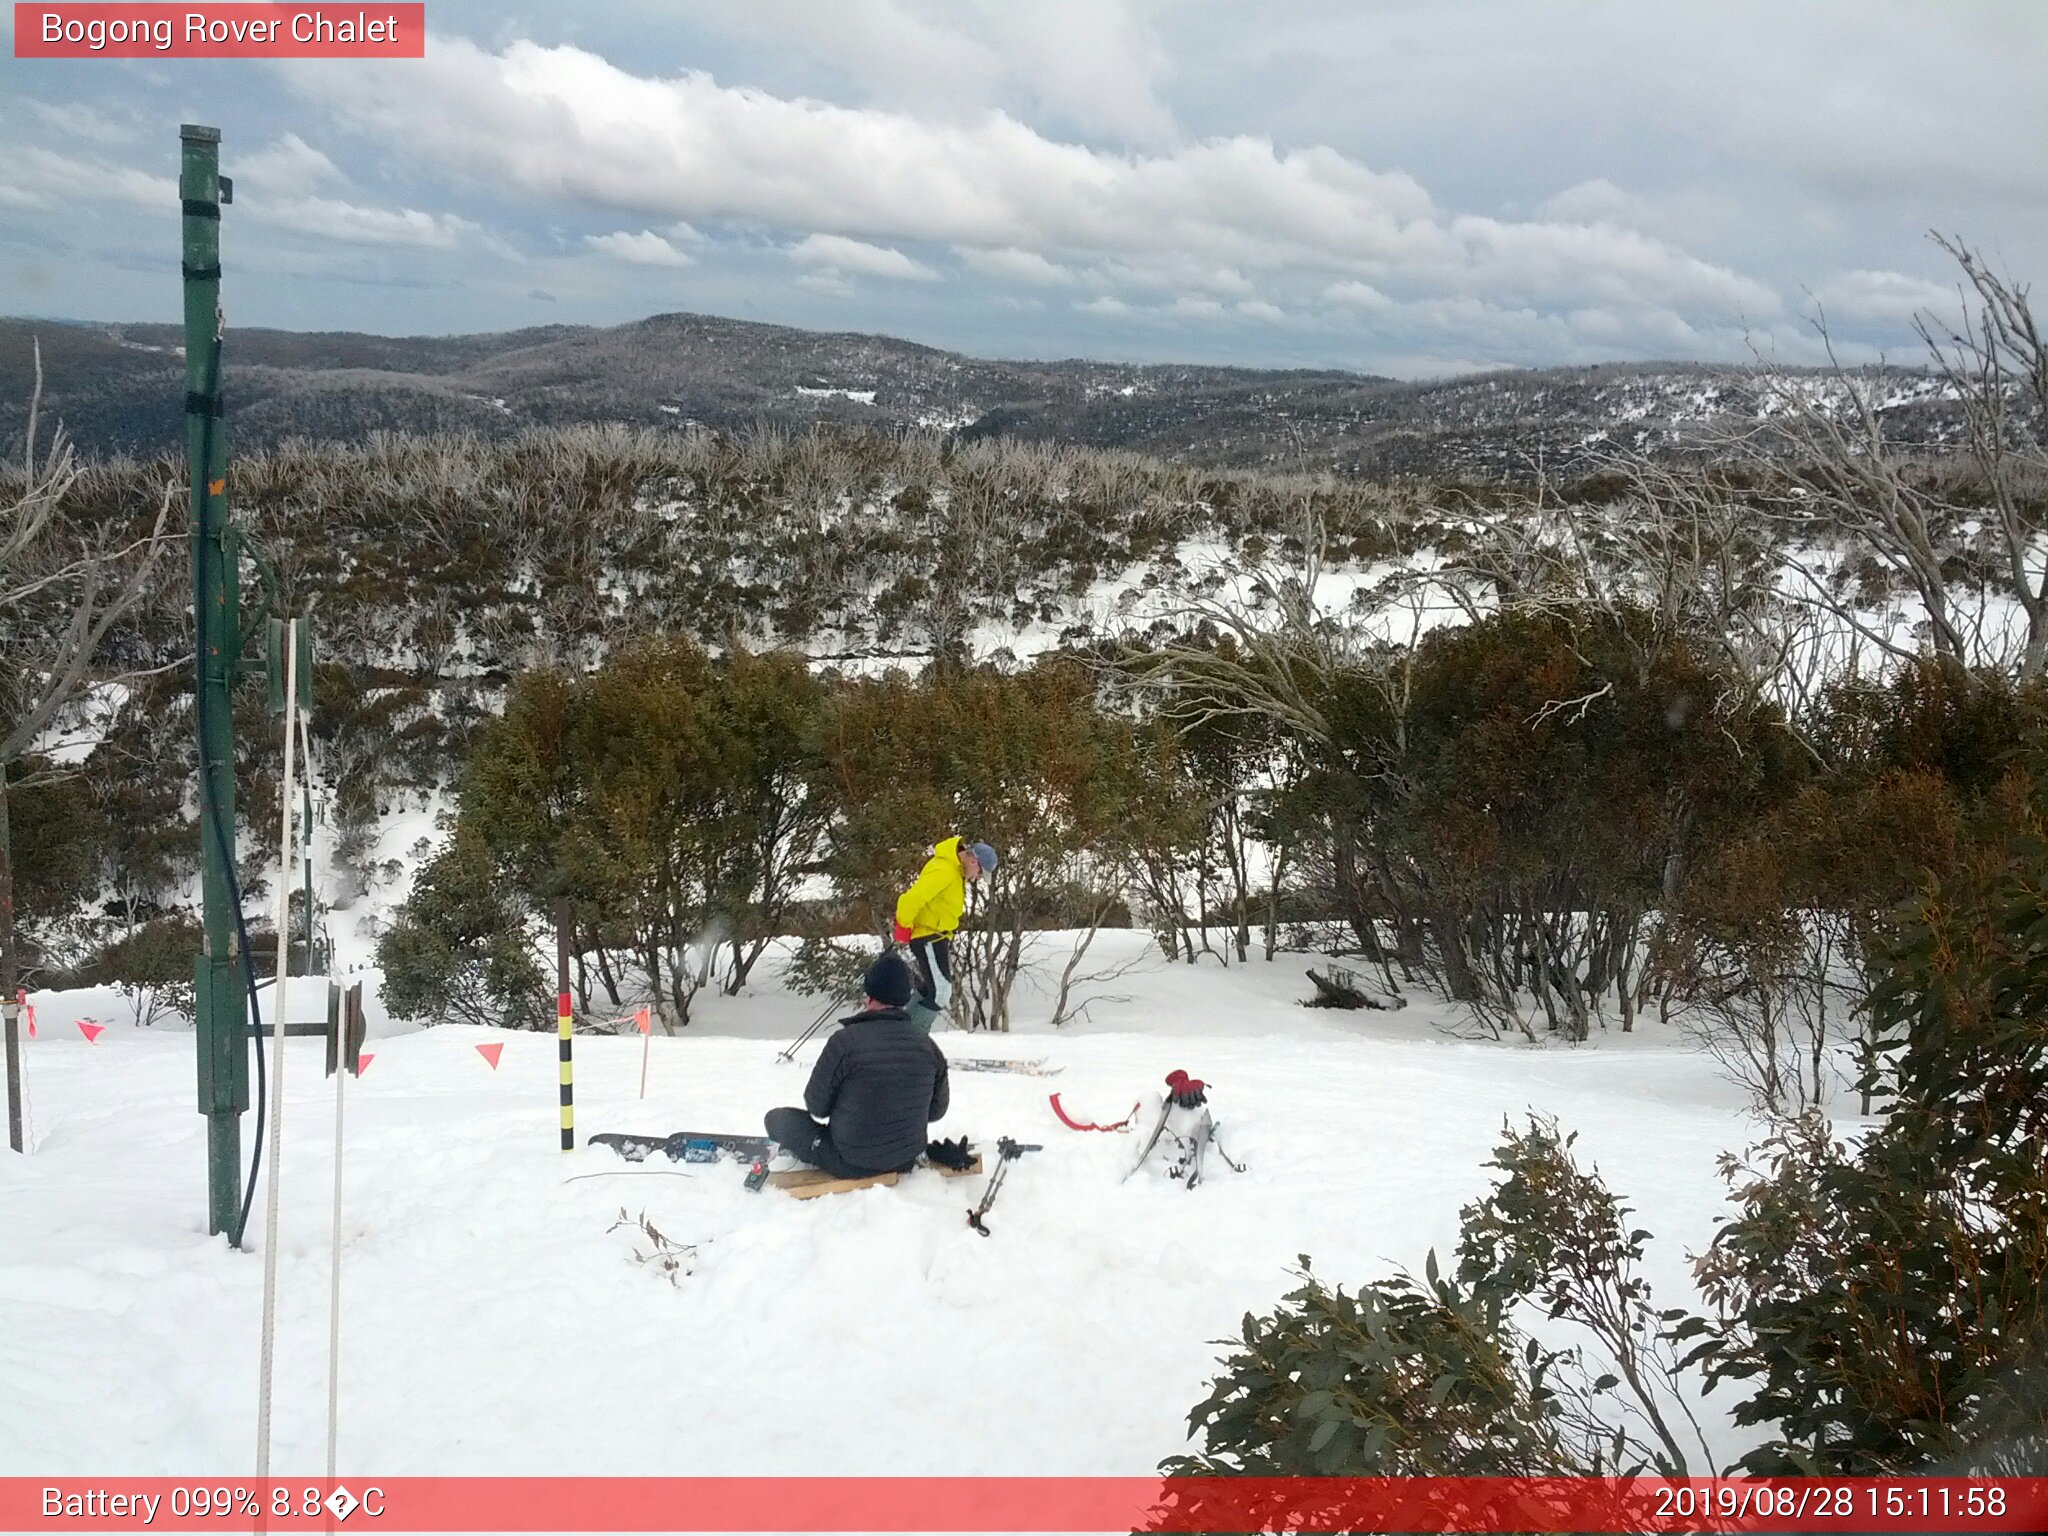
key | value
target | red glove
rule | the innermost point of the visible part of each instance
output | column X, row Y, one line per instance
column 900, row 934
column 1187, row 1092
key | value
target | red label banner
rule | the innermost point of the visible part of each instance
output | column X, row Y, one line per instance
column 217, row 31
column 1062, row 1504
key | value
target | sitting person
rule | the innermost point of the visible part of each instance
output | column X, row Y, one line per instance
column 880, row 1082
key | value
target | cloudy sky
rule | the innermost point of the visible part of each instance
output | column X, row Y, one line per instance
column 1414, row 187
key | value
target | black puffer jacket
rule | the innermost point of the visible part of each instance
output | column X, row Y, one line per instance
column 880, row 1082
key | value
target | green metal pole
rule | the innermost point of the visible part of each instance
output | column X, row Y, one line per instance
column 223, row 1020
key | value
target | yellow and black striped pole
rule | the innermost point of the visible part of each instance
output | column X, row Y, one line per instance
column 565, row 1019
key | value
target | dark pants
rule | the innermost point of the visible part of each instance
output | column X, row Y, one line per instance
column 931, row 951
column 804, row 1139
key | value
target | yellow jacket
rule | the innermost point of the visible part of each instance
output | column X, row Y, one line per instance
column 937, row 899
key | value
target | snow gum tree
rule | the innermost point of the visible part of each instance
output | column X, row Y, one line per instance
column 670, row 799
column 1884, row 1305
column 1024, row 760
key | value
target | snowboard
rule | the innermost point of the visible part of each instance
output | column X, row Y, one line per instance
column 1000, row 1064
column 685, row 1146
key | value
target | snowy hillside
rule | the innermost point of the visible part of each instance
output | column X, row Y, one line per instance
column 492, row 1323
column 116, row 388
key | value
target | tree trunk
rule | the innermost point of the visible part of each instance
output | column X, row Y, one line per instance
column 1095, row 917
column 604, row 974
column 1273, row 905
column 1450, row 943
column 582, row 981
column 744, row 958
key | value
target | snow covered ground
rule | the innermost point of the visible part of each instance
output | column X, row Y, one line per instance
column 492, row 1325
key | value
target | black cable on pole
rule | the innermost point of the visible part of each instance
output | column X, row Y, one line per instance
column 209, row 811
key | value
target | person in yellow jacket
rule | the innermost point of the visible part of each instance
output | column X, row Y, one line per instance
column 928, row 913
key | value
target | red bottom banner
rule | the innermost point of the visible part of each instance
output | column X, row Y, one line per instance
column 1133, row 1504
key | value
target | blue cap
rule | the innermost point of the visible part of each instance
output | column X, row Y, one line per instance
column 985, row 856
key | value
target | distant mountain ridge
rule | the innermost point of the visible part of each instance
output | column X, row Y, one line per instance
column 119, row 388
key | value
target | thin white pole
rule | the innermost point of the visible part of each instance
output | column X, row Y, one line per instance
column 334, row 1275
column 277, row 1055
column 340, row 1081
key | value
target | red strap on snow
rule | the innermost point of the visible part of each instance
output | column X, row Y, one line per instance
column 1077, row 1125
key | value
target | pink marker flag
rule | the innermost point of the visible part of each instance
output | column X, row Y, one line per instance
column 363, row 1060
column 492, row 1052
column 90, row 1030
column 645, row 1019
column 31, row 1015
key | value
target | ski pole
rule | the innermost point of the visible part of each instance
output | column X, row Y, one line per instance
column 788, row 1052
column 1007, row 1152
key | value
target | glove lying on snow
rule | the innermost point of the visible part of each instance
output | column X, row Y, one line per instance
column 951, row 1154
column 1187, row 1092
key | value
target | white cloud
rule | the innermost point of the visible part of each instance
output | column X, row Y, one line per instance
column 645, row 249
column 1104, row 304
column 1013, row 265
column 1229, row 217
column 1093, row 65
column 1598, row 201
column 1259, row 309
column 836, row 253
column 329, row 218
column 1356, row 295
column 277, row 186
column 289, row 167
column 1886, row 297
column 96, row 123
column 97, row 181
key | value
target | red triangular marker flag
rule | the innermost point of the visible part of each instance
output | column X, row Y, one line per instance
column 363, row 1061
column 91, row 1031
column 645, row 1019
column 492, row 1052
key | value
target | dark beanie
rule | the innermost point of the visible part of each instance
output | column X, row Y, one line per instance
column 888, row 981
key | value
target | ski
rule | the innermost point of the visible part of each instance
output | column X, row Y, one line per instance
column 1216, row 1141
column 1190, row 1167
column 1158, row 1130
column 1195, row 1146
column 685, row 1146
column 1000, row 1064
